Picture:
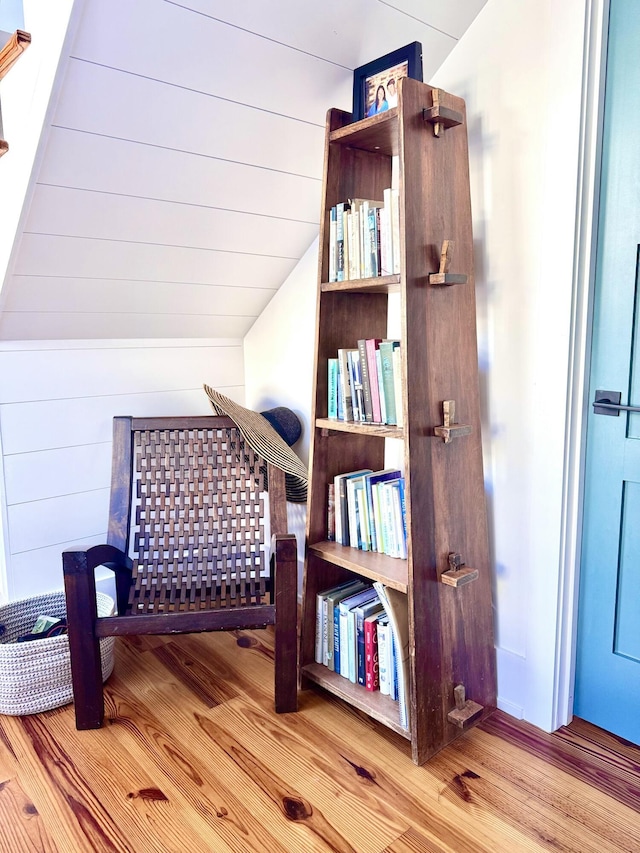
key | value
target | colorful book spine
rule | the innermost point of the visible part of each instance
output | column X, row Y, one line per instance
column 366, row 382
column 371, row 345
column 386, row 357
column 372, row 666
column 332, row 388
column 333, row 275
column 383, row 654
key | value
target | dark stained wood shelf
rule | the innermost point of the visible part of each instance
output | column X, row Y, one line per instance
column 376, row 567
column 375, row 704
column 12, row 51
column 381, row 284
column 357, row 427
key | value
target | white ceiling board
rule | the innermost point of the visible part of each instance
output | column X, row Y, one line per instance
column 79, row 257
column 75, row 159
column 36, row 293
column 340, row 30
column 26, row 326
column 82, row 213
column 112, row 103
column 168, row 43
column 449, row 16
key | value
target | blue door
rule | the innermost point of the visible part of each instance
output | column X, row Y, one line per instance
column 608, row 648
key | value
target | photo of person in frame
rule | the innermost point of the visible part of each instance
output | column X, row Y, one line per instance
column 380, row 104
column 381, row 89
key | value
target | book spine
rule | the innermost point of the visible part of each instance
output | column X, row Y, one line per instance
column 397, row 383
column 386, row 358
column 371, row 663
column 345, row 385
column 344, row 643
column 395, row 229
column 383, row 406
column 387, row 232
column 331, row 512
column 332, row 388
column 364, row 534
column 336, row 640
column 366, row 382
column 371, row 345
column 401, row 537
column 333, row 275
column 353, row 384
column 340, row 242
column 373, row 242
column 383, row 655
column 345, row 239
column 319, row 613
column 325, row 632
column 352, row 510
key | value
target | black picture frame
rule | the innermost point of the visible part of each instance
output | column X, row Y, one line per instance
column 404, row 62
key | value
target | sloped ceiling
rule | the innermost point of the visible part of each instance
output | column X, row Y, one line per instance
column 180, row 177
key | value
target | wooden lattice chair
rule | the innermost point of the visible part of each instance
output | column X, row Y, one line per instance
column 186, row 541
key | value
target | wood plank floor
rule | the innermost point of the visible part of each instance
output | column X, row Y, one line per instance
column 193, row 758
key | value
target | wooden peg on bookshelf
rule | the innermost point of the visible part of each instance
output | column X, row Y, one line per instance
column 443, row 276
column 439, row 115
column 450, row 429
column 466, row 711
column 458, row 574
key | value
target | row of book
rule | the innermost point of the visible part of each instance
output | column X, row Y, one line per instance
column 362, row 635
column 364, row 237
column 365, row 383
column 367, row 510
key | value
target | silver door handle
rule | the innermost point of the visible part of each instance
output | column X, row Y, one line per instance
column 608, row 403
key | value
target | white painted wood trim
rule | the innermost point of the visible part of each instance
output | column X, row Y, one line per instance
column 587, row 198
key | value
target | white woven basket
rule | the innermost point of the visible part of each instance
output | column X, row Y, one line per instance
column 36, row 676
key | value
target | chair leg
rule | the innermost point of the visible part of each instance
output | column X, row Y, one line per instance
column 84, row 646
column 286, row 624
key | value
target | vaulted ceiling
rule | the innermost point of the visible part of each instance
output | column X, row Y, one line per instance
column 179, row 179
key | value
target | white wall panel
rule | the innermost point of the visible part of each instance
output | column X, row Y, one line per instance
column 23, row 325
column 57, row 403
column 79, row 256
column 30, row 375
column 114, row 103
column 40, row 571
column 166, row 42
column 47, row 294
column 80, row 213
column 50, row 473
column 45, row 424
column 57, row 520
column 76, row 159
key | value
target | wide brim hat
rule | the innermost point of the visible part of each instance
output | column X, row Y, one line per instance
column 265, row 433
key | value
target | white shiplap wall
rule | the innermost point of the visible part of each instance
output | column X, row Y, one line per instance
column 176, row 185
column 57, row 402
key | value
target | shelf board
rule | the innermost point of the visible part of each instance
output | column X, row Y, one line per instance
column 381, row 284
column 375, row 704
column 378, row 133
column 390, row 571
column 382, row 430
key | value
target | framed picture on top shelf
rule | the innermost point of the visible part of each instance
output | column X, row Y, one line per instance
column 375, row 85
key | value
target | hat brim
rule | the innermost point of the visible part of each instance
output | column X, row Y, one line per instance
column 262, row 437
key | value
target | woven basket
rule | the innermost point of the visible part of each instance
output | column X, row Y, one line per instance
column 36, row 676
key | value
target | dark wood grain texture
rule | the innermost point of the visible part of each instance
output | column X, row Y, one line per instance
column 450, row 626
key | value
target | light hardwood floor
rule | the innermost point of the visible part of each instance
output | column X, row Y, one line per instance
column 193, row 758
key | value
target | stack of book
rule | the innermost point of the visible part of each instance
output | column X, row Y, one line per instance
column 364, row 237
column 365, row 383
column 368, row 511
column 360, row 636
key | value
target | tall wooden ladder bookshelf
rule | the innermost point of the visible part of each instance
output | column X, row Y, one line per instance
column 446, row 576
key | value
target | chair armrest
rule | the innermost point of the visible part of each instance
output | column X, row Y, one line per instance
column 284, row 546
column 82, row 562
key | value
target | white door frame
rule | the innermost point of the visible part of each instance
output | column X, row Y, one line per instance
column 587, row 207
